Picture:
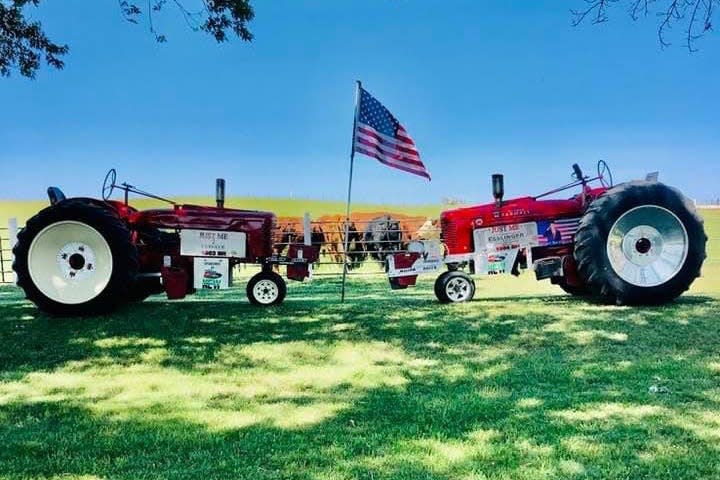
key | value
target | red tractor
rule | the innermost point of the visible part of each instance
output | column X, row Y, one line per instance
column 639, row 242
column 82, row 256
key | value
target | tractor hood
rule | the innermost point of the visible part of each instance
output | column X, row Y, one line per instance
column 204, row 218
column 458, row 224
column 517, row 210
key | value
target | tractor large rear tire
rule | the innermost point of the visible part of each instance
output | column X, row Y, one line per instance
column 575, row 291
column 143, row 287
column 75, row 258
column 640, row 243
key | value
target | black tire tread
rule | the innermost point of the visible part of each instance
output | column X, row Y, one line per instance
column 269, row 275
column 581, row 291
column 444, row 278
column 590, row 243
column 116, row 233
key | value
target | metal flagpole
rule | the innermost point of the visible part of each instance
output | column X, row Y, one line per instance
column 349, row 195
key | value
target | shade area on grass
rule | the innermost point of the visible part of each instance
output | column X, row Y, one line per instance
column 516, row 384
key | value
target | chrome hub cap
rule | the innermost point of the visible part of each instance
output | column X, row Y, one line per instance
column 647, row 246
column 266, row 291
column 458, row 289
column 70, row 262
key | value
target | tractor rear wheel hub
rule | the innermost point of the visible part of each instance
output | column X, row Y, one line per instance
column 647, row 245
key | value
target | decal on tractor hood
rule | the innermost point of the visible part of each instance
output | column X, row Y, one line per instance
column 530, row 234
column 504, row 237
column 212, row 243
column 557, row 232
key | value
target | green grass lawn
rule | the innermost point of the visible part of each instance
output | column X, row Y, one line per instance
column 524, row 382
column 521, row 383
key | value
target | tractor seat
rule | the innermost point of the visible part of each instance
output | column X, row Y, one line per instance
column 55, row 195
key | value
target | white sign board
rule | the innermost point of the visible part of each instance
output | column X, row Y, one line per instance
column 212, row 243
column 503, row 237
column 211, row 273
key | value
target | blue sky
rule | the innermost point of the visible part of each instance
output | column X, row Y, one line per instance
column 482, row 86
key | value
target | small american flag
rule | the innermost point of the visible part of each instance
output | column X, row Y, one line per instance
column 378, row 134
column 563, row 232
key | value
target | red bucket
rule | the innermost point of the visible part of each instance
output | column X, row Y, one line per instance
column 175, row 281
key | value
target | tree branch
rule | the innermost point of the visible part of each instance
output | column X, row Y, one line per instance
column 24, row 43
column 695, row 15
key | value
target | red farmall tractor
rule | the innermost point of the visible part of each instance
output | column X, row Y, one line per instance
column 639, row 242
column 82, row 256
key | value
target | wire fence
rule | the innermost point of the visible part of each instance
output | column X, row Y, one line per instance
column 370, row 240
column 6, row 273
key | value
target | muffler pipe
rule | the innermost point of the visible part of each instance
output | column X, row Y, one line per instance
column 498, row 188
column 220, row 192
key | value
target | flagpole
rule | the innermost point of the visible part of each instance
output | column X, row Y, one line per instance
column 349, row 195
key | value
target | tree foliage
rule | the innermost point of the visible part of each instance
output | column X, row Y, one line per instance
column 693, row 17
column 24, row 44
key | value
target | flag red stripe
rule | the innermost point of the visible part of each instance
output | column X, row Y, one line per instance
column 412, row 162
column 413, row 159
column 393, row 142
column 404, row 168
column 408, row 170
column 402, row 135
column 393, row 162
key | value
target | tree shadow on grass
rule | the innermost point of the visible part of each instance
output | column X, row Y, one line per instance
column 433, row 428
column 383, row 388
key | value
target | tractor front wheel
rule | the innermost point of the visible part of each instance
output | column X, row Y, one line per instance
column 454, row 286
column 75, row 258
column 266, row 288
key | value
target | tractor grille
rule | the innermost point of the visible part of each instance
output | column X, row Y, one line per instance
column 448, row 233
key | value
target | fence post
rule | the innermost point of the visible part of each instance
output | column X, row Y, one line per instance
column 12, row 236
column 307, row 233
column 2, row 262
column 307, row 239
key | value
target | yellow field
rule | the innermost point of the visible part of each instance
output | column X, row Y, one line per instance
column 22, row 210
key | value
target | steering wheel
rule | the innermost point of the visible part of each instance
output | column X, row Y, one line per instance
column 604, row 174
column 109, row 184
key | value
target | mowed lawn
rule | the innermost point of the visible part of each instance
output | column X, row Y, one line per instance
column 523, row 382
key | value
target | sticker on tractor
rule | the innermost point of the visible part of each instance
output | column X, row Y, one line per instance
column 211, row 273
column 496, row 263
column 212, row 243
column 557, row 232
column 506, row 237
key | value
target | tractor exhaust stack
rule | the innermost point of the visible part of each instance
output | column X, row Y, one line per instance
column 220, row 192
column 498, row 188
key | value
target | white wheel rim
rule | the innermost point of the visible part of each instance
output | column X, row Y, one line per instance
column 647, row 246
column 266, row 291
column 458, row 289
column 70, row 262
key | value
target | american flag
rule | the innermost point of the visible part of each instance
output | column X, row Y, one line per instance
column 378, row 134
column 567, row 228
